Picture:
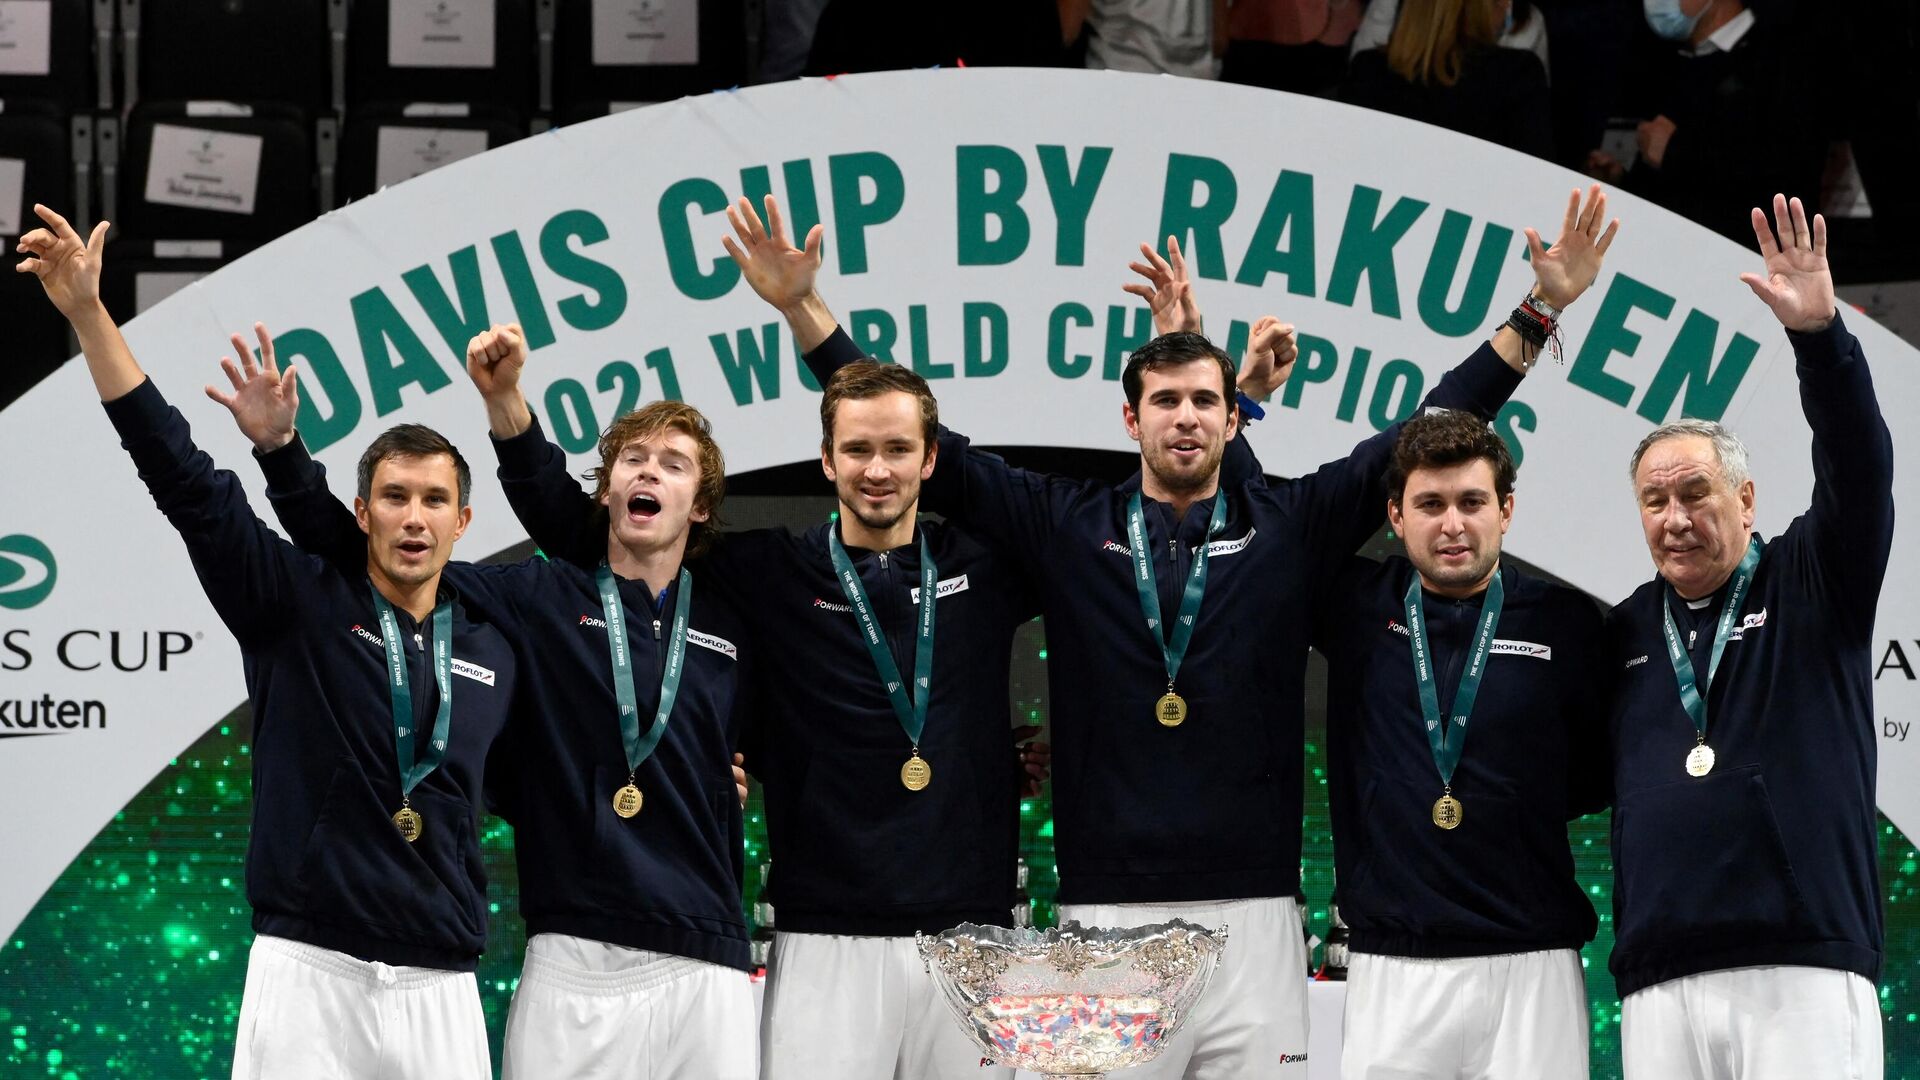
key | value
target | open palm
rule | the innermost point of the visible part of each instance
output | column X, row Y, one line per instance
column 264, row 400
column 780, row 273
column 1570, row 266
column 1169, row 290
column 1798, row 286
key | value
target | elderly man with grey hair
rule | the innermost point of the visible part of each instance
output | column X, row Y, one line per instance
column 1746, row 893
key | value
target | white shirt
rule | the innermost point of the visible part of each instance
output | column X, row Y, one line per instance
column 1729, row 35
column 1171, row 36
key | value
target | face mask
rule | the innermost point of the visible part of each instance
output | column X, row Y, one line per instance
column 1669, row 22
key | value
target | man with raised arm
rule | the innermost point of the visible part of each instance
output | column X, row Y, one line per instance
column 1177, row 641
column 1454, row 869
column 1747, row 919
column 627, row 831
column 375, row 697
column 881, row 726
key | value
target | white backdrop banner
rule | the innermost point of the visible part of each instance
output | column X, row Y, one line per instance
column 978, row 226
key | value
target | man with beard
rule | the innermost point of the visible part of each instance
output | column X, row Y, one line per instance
column 627, row 831
column 1178, row 720
column 1747, row 904
column 1454, row 870
column 363, row 863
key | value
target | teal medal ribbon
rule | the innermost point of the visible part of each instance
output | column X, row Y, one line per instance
column 916, row 774
column 1448, row 737
column 639, row 746
column 1693, row 693
column 1171, row 709
column 415, row 765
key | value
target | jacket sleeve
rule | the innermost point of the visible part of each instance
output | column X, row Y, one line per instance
column 562, row 519
column 1846, row 535
column 315, row 520
column 249, row 573
column 1344, row 502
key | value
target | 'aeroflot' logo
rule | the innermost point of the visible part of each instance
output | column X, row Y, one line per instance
column 27, row 571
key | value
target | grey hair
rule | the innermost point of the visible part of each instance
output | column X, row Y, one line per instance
column 1727, row 447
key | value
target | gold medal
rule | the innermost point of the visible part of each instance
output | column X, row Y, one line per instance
column 1170, row 710
column 1447, row 812
column 626, row 801
column 1700, row 760
column 410, row 823
column 916, row 774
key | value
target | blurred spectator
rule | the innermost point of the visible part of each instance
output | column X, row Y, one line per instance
column 1297, row 45
column 886, row 35
column 789, row 38
column 1443, row 65
column 1731, row 117
column 1522, row 28
column 1178, row 37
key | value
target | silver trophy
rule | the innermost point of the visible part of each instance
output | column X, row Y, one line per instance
column 1074, row 1001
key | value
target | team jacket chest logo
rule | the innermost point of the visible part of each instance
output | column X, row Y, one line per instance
column 1750, row 623
column 483, row 675
column 694, row 637
column 948, row 587
column 1532, row 650
column 1214, row 550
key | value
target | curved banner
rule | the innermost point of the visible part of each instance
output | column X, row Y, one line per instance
column 978, row 227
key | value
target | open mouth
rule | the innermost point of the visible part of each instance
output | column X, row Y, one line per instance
column 643, row 507
column 1187, row 449
column 415, row 548
column 1455, row 551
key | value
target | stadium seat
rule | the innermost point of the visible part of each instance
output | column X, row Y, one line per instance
column 46, row 51
column 240, row 174
column 479, row 51
column 142, row 273
column 385, row 145
column 646, row 50
column 229, row 50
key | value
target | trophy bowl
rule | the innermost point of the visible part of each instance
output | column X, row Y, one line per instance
column 1073, row 1001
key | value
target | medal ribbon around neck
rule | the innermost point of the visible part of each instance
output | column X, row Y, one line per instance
column 1693, row 693
column 641, row 746
column 414, row 765
column 911, row 712
column 1173, row 651
column 1447, row 742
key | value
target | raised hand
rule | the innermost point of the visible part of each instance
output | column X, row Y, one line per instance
column 1272, row 347
column 1564, row 271
column 495, row 358
column 67, row 266
column 1797, row 285
column 780, row 273
column 1168, row 292
column 265, row 399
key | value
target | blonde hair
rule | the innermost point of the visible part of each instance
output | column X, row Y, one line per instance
column 1431, row 39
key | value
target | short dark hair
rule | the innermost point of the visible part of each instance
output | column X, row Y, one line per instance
column 1174, row 350
column 652, row 421
column 412, row 441
column 868, row 378
column 1442, row 439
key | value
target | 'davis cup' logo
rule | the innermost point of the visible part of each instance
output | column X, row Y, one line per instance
column 27, row 572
